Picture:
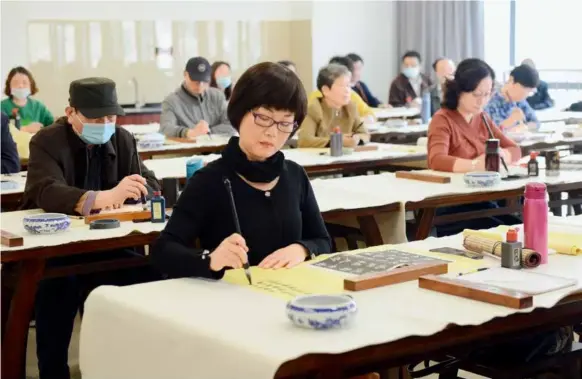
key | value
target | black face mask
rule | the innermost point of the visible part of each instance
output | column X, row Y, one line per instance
column 257, row 172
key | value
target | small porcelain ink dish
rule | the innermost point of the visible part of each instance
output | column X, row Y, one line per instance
column 482, row 179
column 322, row 312
column 151, row 141
column 46, row 223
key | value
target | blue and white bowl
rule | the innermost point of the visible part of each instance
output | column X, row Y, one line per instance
column 482, row 179
column 322, row 312
column 151, row 141
column 46, row 223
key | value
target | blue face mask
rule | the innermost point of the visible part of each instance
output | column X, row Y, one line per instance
column 97, row 134
column 20, row 93
column 411, row 72
column 223, row 82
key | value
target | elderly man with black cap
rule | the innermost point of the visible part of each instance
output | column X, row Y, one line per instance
column 195, row 109
column 80, row 164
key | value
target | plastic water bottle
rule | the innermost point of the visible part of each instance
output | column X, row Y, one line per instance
column 336, row 142
column 192, row 165
column 535, row 219
column 425, row 111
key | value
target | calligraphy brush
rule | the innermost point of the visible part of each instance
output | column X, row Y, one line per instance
column 237, row 224
column 136, row 157
column 493, row 137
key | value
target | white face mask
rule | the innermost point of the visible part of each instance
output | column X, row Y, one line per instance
column 20, row 93
column 411, row 72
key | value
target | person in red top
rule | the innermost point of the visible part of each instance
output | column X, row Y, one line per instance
column 457, row 135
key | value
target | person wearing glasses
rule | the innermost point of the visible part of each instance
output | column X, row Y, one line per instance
column 280, row 221
column 194, row 109
column 457, row 136
column 334, row 109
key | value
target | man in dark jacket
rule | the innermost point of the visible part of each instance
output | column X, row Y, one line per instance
column 78, row 165
column 407, row 88
column 10, row 160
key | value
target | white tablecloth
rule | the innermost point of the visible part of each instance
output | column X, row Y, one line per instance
column 192, row 328
column 19, row 179
column 553, row 114
column 176, row 167
column 79, row 231
column 399, row 112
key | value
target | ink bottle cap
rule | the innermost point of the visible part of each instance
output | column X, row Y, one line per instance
column 157, row 193
column 511, row 235
column 533, row 155
column 337, row 129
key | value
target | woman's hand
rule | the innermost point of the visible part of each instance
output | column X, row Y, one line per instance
column 232, row 252
column 288, row 257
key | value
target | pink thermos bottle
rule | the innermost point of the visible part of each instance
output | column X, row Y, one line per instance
column 535, row 219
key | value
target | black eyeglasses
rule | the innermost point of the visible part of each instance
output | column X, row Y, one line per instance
column 267, row 122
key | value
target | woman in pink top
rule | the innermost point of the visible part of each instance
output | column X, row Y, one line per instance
column 457, row 135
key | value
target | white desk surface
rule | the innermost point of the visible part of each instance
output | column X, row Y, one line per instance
column 189, row 328
column 19, row 179
column 176, row 167
column 400, row 112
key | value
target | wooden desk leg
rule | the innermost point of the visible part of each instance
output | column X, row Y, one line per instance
column 425, row 222
column 370, row 230
column 21, row 307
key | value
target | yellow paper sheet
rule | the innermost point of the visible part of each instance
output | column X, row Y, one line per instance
column 305, row 279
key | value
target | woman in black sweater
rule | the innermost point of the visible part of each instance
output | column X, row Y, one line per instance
column 280, row 222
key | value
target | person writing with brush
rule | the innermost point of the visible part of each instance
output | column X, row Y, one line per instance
column 279, row 222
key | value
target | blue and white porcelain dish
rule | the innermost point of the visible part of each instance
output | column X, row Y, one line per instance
column 46, row 223
column 482, row 179
column 322, row 312
column 151, row 141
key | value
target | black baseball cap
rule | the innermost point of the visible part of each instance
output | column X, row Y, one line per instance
column 95, row 97
column 198, row 69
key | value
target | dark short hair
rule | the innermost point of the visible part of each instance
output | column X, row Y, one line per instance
column 20, row 70
column 213, row 68
column 355, row 57
column 411, row 54
column 327, row 75
column 525, row 75
column 268, row 85
column 436, row 61
column 287, row 63
column 469, row 74
column 344, row 61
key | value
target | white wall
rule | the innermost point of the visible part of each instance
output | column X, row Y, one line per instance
column 367, row 28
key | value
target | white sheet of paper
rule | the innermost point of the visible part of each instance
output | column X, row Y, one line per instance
column 529, row 282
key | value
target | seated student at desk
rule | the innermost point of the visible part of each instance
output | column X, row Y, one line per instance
column 333, row 110
column 220, row 78
column 19, row 86
column 10, row 160
column 508, row 106
column 81, row 163
column 407, row 88
column 363, row 109
column 280, row 221
column 444, row 69
column 194, row 109
column 457, row 136
column 359, row 86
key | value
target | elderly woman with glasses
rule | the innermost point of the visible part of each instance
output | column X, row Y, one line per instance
column 333, row 110
column 280, row 222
